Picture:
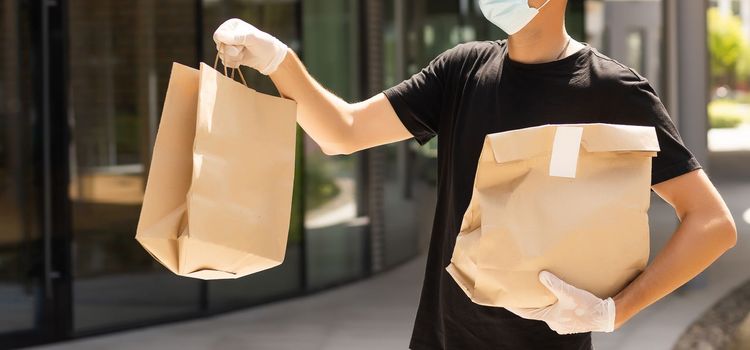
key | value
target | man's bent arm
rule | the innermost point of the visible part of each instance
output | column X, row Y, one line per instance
column 337, row 126
column 705, row 232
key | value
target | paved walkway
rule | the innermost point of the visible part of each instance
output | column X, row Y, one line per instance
column 373, row 314
column 378, row 313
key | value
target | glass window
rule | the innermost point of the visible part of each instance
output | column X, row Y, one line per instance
column 334, row 238
column 120, row 60
column 408, row 170
column 630, row 32
column 414, row 32
column 400, row 236
column 20, row 234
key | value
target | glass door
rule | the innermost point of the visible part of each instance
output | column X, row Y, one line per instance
column 117, row 85
column 28, row 283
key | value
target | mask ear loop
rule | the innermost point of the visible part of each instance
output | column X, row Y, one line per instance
column 544, row 4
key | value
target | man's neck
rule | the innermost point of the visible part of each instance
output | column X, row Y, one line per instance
column 539, row 45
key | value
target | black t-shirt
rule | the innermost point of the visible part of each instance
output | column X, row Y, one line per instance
column 474, row 89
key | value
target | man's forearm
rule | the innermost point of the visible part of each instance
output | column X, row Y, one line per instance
column 325, row 117
column 698, row 241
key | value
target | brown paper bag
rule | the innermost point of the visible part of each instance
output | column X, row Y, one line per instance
column 568, row 198
column 219, row 191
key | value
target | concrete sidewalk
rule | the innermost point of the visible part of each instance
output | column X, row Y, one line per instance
column 373, row 314
column 378, row 313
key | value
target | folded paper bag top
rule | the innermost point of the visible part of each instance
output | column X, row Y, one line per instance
column 568, row 198
column 218, row 198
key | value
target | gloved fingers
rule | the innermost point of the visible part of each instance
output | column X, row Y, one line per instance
column 223, row 36
column 566, row 293
column 234, row 55
column 261, row 40
column 530, row 313
column 232, row 32
column 229, row 62
column 229, row 50
column 568, row 326
column 253, row 61
column 565, row 330
column 520, row 312
column 256, row 37
column 610, row 310
column 551, row 281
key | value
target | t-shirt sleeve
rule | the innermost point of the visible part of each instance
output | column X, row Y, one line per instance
column 419, row 101
column 641, row 104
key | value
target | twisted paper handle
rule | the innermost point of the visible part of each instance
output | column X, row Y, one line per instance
column 216, row 63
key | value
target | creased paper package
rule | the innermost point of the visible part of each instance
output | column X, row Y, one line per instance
column 219, row 191
column 568, row 198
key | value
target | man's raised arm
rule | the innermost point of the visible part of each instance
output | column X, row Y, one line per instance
column 337, row 126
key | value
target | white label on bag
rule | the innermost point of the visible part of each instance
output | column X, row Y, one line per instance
column 565, row 149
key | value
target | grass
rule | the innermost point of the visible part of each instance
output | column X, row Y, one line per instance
column 725, row 113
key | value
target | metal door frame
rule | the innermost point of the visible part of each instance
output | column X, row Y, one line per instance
column 53, row 316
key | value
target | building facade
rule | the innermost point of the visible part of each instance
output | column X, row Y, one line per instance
column 81, row 88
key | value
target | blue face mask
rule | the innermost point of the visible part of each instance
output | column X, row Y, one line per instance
column 509, row 15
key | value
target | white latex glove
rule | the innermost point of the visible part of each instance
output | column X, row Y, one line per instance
column 575, row 311
column 240, row 43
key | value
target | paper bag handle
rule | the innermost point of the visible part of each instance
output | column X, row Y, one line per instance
column 216, row 63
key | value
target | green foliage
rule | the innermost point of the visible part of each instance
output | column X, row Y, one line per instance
column 724, row 121
column 726, row 43
column 743, row 64
column 320, row 187
column 296, row 224
column 726, row 113
column 127, row 132
column 742, row 97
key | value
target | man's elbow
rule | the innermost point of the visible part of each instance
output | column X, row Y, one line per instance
column 730, row 229
column 723, row 229
column 333, row 151
column 337, row 149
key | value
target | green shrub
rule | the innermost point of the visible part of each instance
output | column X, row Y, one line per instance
column 726, row 114
column 725, row 43
column 724, row 121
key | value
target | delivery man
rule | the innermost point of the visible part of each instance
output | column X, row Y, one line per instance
column 539, row 75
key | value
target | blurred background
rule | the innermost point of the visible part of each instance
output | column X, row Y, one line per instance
column 81, row 89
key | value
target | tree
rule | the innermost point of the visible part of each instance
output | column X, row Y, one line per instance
column 726, row 44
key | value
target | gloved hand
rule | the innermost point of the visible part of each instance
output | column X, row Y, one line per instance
column 576, row 310
column 239, row 42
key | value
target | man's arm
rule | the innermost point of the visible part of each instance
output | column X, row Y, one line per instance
column 705, row 232
column 336, row 126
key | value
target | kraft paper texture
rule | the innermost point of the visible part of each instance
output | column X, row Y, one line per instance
column 568, row 198
column 219, row 192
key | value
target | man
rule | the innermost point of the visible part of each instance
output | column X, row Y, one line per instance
column 539, row 75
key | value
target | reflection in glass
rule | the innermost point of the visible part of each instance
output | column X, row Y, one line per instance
column 117, row 85
column 334, row 238
column 414, row 33
column 20, row 236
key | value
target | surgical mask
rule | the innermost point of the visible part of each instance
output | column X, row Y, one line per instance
column 509, row 15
